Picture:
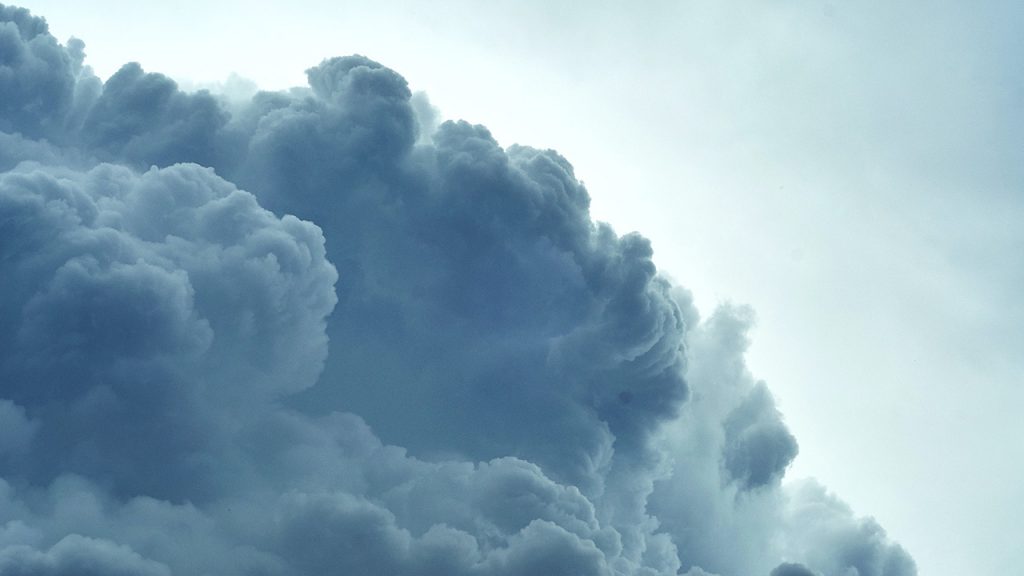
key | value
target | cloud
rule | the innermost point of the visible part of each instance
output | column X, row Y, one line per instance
column 16, row 430
column 79, row 556
column 147, row 306
column 834, row 544
column 37, row 78
column 787, row 569
column 316, row 331
column 758, row 447
column 143, row 119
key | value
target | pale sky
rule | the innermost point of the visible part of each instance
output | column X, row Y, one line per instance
column 855, row 174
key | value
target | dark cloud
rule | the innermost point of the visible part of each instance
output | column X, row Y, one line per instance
column 143, row 119
column 206, row 295
column 37, row 76
column 128, row 330
column 758, row 446
column 787, row 569
column 15, row 149
column 75, row 555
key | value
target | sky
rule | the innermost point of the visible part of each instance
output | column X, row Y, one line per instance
column 852, row 173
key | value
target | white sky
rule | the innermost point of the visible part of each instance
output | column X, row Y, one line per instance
column 856, row 174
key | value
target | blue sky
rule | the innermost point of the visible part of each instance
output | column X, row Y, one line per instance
column 853, row 173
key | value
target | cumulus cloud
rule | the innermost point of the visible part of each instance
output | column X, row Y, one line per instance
column 318, row 332
column 80, row 556
column 758, row 447
column 788, row 569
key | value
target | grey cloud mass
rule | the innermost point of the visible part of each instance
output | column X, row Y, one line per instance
column 318, row 333
column 787, row 569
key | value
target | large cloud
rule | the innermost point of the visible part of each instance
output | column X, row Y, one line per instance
column 201, row 298
column 148, row 308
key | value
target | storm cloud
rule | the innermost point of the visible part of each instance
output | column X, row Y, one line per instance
column 318, row 333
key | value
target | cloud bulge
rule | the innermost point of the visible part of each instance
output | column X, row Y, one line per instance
column 315, row 332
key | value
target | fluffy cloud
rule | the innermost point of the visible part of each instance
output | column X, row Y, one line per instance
column 149, row 307
column 79, row 556
column 787, row 569
column 204, row 297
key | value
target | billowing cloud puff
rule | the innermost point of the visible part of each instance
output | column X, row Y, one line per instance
column 317, row 332
column 833, row 544
column 787, row 569
column 143, row 119
column 758, row 447
column 149, row 306
column 79, row 556
column 37, row 75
